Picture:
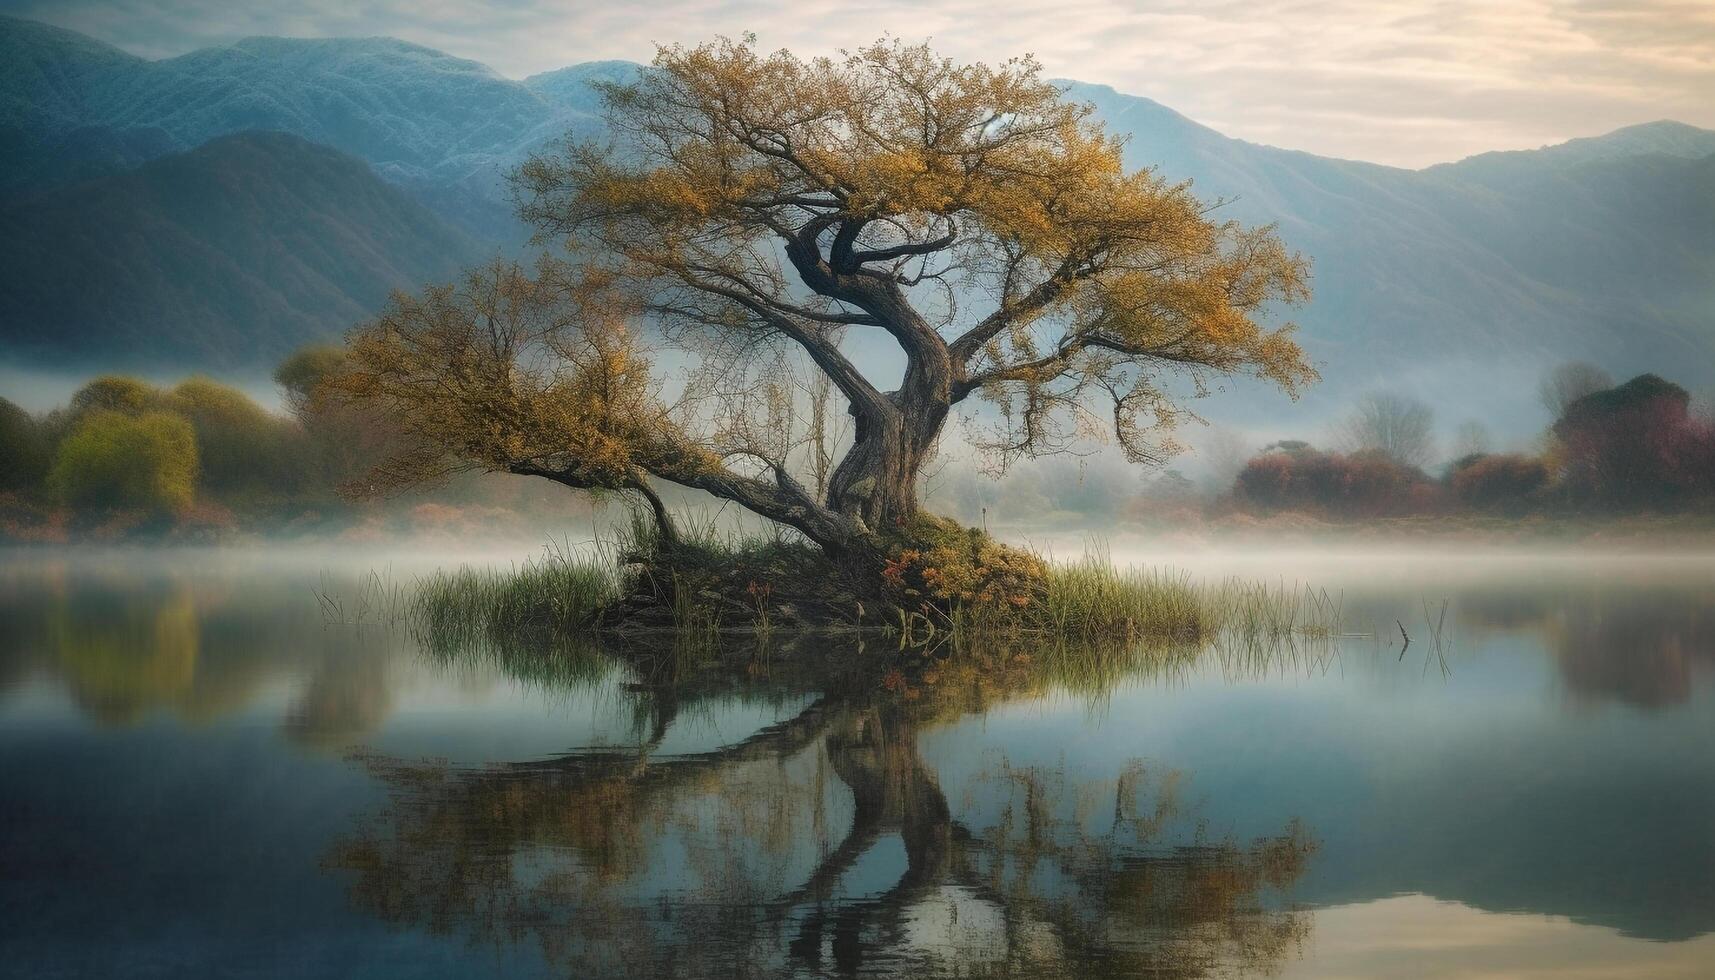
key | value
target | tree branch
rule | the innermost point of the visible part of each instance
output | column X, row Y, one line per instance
column 826, row 355
column 1032, row 302
column 1069, row 347
column 902, row 251
column 879, row 296
column 784, row 501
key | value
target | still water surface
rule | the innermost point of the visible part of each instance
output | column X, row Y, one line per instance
column 198, row 777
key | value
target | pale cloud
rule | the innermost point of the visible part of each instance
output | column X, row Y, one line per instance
column 1408, row 82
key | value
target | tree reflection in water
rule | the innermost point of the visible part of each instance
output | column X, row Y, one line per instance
column 824, row 844
column 1639, row 643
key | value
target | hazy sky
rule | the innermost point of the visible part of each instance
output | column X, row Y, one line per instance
column 1407, row 82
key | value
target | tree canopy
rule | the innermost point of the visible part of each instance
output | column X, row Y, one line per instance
column 111, row 459
column 1568, row 383
column 242, row 448
column 25, row 449
column 114, row 393
column 1398, row 427
column 765, row 214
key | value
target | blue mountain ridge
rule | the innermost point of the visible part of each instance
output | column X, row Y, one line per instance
column 1460, row 280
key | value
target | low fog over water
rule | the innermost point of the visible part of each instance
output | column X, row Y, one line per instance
column 217, row 774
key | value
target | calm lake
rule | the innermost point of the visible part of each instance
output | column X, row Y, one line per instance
column 205, row 772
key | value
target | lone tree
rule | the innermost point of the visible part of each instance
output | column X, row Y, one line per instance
column 1398, row 427
column 761, row 215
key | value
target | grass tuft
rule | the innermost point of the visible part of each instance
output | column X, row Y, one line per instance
column 556, row 595
column 1091, row 599
column 710, row 585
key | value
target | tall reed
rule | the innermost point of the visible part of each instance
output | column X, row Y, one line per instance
column 559, row 593
column 712, row 583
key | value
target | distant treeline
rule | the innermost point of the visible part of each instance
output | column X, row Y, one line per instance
column 201, row 458
column 1622, row 449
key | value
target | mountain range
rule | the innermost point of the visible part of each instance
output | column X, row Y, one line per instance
column 1459, row 282
column 237, row 252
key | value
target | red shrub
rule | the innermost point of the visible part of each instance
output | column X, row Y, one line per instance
column 1500, row 482
column 1298, row 478
column 1636, row 445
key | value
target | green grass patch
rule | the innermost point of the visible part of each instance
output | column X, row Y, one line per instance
column 710, row 586
column 559, row 594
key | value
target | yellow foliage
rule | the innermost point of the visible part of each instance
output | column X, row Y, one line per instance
column 751, row 207
column 509, row 371
column 936, row 560
column 146, row 462
column 115, row 393
column 241, row 445
column 897, row 164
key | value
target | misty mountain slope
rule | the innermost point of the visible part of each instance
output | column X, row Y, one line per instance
column 49, row 74
column 399, row 106
column 394, row 104
column 1458, row 283
column 573, row 87
column 1661, row 138
column 1601, row 248
column 1636, row 230
column 232, row 254
column 445, row 128
column 54, row 87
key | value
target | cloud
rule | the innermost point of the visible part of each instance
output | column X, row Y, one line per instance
column 1408, row 82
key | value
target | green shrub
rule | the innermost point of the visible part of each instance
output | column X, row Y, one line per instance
column 24, row 449
column 243, row 450
column 146, row 462
column 115, row 393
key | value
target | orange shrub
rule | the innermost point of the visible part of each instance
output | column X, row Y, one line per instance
column 1505, row 482
column 1366, row 484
